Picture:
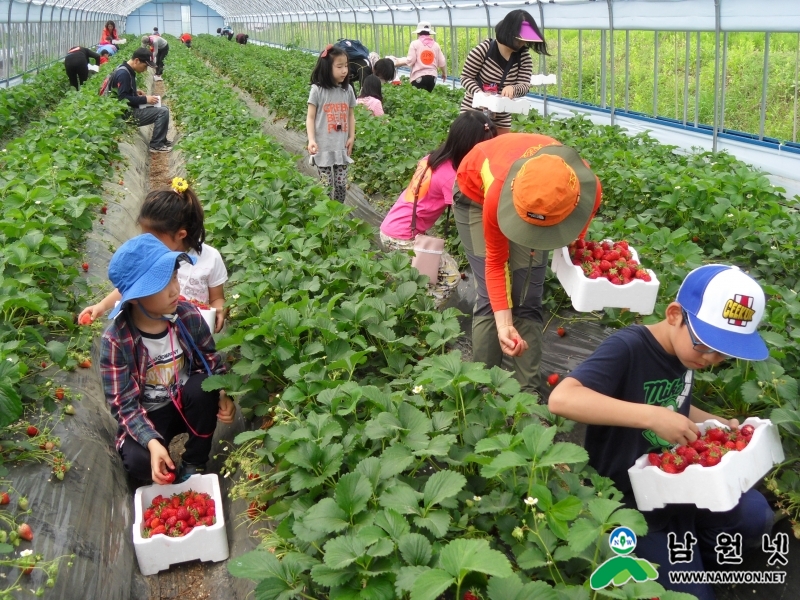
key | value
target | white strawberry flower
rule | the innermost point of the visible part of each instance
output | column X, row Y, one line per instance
column 417, row 389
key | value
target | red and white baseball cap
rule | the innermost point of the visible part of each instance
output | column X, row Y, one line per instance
column 724, row 306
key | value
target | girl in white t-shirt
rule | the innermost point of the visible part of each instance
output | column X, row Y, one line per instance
column 175, row 216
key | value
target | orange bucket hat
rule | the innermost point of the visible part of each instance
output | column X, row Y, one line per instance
column 547, row 198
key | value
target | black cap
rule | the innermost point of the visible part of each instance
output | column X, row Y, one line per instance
column 143, row 54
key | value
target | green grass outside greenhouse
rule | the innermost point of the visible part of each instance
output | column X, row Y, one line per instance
column 745, row 60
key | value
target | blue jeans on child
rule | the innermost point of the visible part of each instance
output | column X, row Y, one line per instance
column 752, row 517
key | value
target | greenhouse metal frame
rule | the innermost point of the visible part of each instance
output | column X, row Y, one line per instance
column 37, row 34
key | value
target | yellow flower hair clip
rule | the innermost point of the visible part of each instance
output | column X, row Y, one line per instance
column 180, row 185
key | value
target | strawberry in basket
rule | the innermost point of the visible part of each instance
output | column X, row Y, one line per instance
column 197, row 303
column 607, row 260
column 706, row 451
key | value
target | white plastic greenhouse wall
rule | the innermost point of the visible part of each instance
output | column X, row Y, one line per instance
column 34, row 34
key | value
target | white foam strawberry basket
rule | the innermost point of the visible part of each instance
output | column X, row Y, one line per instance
column 498, row 103
column 596, row 294
column 716, row 488
column 204, row 543
column 210, row 317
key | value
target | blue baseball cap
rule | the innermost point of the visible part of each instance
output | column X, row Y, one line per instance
column 141, row 267
column 724, row 306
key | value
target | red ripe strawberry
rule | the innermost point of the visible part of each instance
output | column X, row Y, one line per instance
column 612, row 256
column 579, row 243
column 470, row 596
column 552, row 379
column 27, row 570
column 700, row 445
column 747, row 430
column 188, row 530
column 59, row 393
column 654, row 458
column 155, row 522
column 716, row 435
column 741, row 444
column 191, row 521
column 605, row 265
column 668, row 458
column 641, row 274
column 670, row 468
column 577, row 262
column 211, row 511
column 169, row 477
column 595, row 275
column 158, row 530
column 606, row 245
column 85, row 364
column 252, row 510
column 32, row 431
column 561, row 332
column 597, row 253
column 182, row 513
column 171, row 522
column 25, row 532
column 85, row 266
column 578, row 254
column 148, row 515
column 690, row 456
column 622, row 244
column 103, row 209
column 176, row 502
column 625, row 272
column 4, row 498
column 44, row 365
column 615, row 280
column 646, row 277
column 208, row 521
column 86, row 319
column 180, row 525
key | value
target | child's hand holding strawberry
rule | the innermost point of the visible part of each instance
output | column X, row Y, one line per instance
column 671, row 426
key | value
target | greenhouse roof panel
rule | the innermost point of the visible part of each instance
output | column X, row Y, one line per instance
column 662, row 15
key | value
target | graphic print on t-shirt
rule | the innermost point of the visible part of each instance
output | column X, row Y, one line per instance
column 671, row 394
column 161, row 374
column 427, row 57
column 336, row 114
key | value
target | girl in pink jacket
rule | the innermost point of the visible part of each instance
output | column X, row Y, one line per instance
column 425, row 58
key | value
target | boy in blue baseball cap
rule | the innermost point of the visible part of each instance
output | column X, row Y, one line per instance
column 634, row 393
column 154, row 357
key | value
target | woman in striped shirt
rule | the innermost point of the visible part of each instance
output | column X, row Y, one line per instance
column 503, row 66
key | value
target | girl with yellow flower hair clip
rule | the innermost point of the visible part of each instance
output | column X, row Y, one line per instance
column 175, row 216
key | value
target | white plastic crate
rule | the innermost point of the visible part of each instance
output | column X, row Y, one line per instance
column 497, row 103
column 596, row 294
column 204, row 543
column 716, row 488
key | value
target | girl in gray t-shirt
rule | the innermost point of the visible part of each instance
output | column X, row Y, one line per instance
column 330, row 122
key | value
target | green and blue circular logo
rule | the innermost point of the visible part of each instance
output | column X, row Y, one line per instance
column 622, row 540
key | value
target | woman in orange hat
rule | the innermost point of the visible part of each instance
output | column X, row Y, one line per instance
column 519, row 196
column 503, row 65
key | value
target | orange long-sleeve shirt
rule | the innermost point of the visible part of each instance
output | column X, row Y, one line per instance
column 480, row 177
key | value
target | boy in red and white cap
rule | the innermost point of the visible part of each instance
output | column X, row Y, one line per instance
column 635, row 394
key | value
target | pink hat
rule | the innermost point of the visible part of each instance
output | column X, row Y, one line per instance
column 527, row 34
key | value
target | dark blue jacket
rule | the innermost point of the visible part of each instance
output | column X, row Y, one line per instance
column 123, row 80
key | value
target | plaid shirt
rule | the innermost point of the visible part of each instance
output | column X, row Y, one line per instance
column 123, row 369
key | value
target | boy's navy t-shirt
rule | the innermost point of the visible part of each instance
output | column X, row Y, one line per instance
column 631, row 365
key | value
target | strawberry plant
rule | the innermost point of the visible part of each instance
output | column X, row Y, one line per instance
column 388, row 465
